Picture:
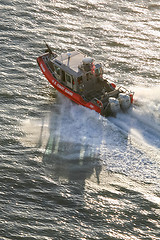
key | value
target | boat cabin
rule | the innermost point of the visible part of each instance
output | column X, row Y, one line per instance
column 77, row 72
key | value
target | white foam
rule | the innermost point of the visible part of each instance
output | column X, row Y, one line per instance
column 126, row 144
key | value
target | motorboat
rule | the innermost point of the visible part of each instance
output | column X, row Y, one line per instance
column 81, row 79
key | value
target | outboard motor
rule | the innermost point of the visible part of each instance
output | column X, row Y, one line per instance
column 124, row 100
column 114, row 105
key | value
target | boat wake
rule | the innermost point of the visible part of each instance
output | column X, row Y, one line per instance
column 128, row 144
column 143, row 120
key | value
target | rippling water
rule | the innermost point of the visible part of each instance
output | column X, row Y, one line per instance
column 65, row 171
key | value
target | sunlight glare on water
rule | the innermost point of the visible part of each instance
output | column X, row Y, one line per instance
column 65, row 171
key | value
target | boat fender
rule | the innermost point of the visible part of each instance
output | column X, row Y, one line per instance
column 99, row 102
column 92, row 68
column 131, row 97
column 113, row 85
column 79, row 81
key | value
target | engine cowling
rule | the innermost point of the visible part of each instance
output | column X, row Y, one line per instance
column 124, row 100
column 114, row 105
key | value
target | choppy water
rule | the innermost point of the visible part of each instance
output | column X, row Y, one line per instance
column 65, row 171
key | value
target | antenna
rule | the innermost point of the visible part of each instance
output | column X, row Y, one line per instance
column 69, row 56
column 48, row 48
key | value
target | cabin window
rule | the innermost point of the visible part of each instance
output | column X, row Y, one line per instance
column 68, row 78
column 57, row 69
column 63, row 76
column 51, row 65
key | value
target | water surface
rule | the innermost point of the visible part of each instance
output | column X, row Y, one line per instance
column 65, row 171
